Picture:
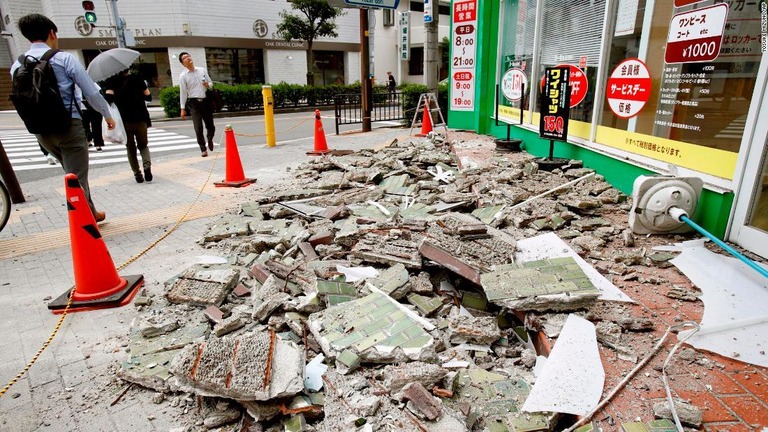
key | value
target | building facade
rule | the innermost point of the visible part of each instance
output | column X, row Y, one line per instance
column 671, row 87
column 236, row 41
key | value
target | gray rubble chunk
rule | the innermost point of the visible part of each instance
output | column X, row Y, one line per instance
column 268, row 298
column 236, row 368
column 229, row 225
column 390, row 280
column 473, row 330
column 397, row 377
column 688, row 414
column 203, row 287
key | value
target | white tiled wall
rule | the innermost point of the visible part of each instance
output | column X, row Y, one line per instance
column 285, row 65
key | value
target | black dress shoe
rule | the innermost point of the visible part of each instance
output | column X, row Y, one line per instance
column 148, row 174
column 139, row 177
column 210, row 145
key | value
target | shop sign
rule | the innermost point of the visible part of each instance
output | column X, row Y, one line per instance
column 405, row 36
column 382, row 4
column 681, row 3
column 628, row 88
column 696, row 36
column 578, row 82
column 513, row 84
column 555, row 104
column 428, row 11
column 463, row 50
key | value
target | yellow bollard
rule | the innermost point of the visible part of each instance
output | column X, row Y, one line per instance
column 269, row 115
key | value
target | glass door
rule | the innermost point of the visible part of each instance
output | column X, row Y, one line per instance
column 749, row 222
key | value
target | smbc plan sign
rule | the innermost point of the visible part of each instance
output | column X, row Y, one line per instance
column 384, row 4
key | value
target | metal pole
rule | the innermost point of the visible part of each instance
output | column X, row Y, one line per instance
column 269, row 118
column 119, row 28
column 365, row 70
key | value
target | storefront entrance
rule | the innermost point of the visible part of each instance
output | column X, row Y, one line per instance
column 749, row 226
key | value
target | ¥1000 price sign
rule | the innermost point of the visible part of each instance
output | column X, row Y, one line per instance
column 464, row 40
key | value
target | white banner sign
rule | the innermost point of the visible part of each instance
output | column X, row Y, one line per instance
column 463, row 60
column 428, row 11
column 405, row 36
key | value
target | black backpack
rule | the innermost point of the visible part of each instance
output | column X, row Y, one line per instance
column 36, row 96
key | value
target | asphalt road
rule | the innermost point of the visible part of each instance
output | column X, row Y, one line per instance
column 249, row 130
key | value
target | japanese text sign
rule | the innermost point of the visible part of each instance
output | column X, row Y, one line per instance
column 628, row 88
column 463, row 52
column 555, row 104
column 696, row 36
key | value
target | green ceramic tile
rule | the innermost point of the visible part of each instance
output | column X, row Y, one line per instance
column 349, row 340
column 335, row 299
column 348, row 359
column 418, row 342
column 370, row 341
column 633, row 427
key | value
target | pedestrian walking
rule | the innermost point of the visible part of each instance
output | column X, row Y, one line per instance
column 193, row 83
column 92, row 123
column 391, row 85
column 130, row 94
column 67, row 143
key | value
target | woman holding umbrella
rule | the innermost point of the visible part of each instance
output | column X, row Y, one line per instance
column 130, row 93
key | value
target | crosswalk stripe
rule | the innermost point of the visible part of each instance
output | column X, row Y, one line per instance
column 24, row 153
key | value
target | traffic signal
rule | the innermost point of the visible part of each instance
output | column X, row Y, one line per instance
column 89, row 15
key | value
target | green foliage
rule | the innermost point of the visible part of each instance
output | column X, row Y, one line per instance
column 169, row 99
column 412, row 92
column 317, row 21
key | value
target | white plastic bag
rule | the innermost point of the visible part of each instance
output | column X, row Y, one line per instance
column 116, row 135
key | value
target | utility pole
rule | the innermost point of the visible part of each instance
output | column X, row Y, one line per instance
column 365, row 70
column 431, row 49
column 119, row 25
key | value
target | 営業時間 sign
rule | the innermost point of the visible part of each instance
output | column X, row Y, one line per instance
column 555, row 104
column 463, row 61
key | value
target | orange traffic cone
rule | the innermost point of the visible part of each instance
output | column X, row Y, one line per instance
column 426, row 121
column 321, row 147
column 234, row 168
column 97, row 284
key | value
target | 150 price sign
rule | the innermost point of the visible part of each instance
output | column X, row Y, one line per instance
column 463, row 53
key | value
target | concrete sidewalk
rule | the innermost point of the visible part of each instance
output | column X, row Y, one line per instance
column 71, row 385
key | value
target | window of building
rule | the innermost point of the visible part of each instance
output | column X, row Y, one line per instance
column 695, row 110
column 329, row 67
column 389, row 17
column 417, row 7
column 516, row 53
column 571, row 34
column 416, row 62
column 235, row 65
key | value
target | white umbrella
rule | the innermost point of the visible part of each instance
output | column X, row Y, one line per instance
column 111, row 62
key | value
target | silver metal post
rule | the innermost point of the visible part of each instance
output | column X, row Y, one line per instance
column 119, row 28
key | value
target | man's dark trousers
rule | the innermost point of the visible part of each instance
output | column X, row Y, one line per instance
column 201, row 113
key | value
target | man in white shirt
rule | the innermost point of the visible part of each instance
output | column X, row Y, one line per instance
column 193, row 83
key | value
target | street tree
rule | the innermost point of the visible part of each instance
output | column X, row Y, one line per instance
column 317, row 21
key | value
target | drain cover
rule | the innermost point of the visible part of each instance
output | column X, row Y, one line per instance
column 653, row 196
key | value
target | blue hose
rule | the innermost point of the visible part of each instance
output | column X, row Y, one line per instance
column 729, row 249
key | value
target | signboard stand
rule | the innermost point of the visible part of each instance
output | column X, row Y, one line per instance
column 509, row 144
column 555, row 112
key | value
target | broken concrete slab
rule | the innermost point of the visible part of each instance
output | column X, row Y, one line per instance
column 421, row 402
column 473, row 330
column 241, row 368
column 203, row 286
column 391, row 280
column 556, row 284
column 228, row 225
column 384, row 250
column 375, row 328
column 268, row 298
column 397, row 377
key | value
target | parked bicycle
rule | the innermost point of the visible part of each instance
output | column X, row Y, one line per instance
column 5, row 205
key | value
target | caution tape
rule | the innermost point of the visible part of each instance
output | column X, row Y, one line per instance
column 56, row 329
column 277, row 132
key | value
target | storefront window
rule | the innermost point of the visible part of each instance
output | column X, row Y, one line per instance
column 702, row 63
column 235, row 65
column 153, row 66
column 516, row 58
column 571, row 34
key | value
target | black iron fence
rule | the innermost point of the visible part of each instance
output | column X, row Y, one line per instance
column 385, row 107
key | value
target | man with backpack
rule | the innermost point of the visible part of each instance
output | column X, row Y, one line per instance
column 44, row 81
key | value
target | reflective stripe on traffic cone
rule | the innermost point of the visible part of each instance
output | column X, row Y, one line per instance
column 234, row 176
column 321, row 146
column 97, row 284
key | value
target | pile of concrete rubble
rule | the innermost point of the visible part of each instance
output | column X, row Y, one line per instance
column 383, row 290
